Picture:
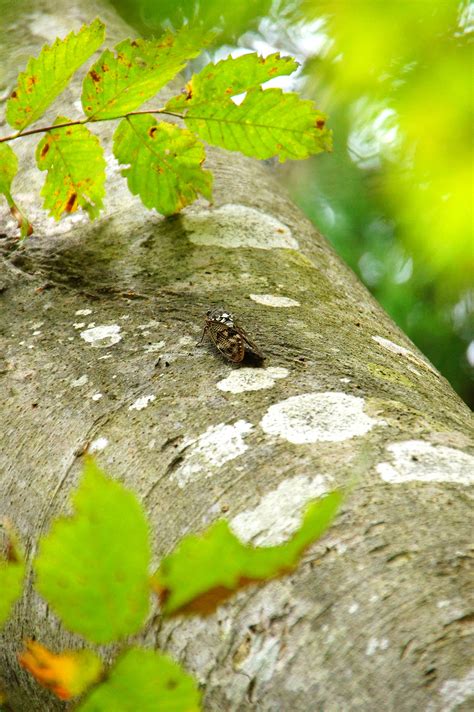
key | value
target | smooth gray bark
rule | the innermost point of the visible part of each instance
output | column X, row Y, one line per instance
column 377, row 616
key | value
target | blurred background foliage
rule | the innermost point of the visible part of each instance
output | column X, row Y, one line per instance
column 395, row 197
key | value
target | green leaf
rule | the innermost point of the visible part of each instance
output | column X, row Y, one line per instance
column 230, row 77
column 92, row 568
column 74, row 159
column 267, row 123
column 8, row 170
column 12, row 572
column 165, row 163
column 146, row 681
column 204, row 570
column 47, row 75
column 119, row 83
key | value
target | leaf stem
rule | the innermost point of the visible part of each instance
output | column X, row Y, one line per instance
column 44, row 129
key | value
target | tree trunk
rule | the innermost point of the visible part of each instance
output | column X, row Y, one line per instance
column 99, row 324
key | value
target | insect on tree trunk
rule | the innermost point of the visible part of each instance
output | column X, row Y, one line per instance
column 99, row 329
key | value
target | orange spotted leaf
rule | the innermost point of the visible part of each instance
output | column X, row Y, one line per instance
column 47, row 75
column 74, row 159
column 67, row 674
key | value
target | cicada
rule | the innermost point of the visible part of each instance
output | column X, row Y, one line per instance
column 229, row 337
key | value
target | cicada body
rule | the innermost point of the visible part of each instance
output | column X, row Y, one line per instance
column 229, row 337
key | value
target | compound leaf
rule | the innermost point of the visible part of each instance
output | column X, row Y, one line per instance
column 74, row 159
column 12, row 572
column 8, row 170
column 147, row 681
column 165, row 163
column 92, row 568
column 120, row 82
column 66, row 674
column 232, row 76
column 47, row 75
column 220, row 563
column 267, row 123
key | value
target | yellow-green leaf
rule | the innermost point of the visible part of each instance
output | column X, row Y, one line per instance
column 92, row 568
column 12, row 572
column 205, row 570
column 74, row 159
column 267, row 123
column 8, row 170
column 144, row 681
column 47, row 75
column 164, row 163
column 120, row 82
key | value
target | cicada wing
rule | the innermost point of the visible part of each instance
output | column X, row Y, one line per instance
column 228, row 341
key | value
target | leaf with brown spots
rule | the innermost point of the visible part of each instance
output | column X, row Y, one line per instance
column 232, row 76
column 8, row 170
column 47, row 75
column 267, row 123
column 74, row 159
column 205, row 570
column 164, row 163
column 121, row 81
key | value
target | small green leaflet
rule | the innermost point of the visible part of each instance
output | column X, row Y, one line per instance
column 119, row 83
column 267, row 123
column 12, row 572
column 165, row 163
column 8, row 170
column 144, row 681
column 230, row 77
column 47, row 75
column 92, row 568
column 204, row 570
column 75, row 163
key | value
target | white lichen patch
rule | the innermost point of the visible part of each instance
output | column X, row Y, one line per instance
column 98, row 444
column 403, row 351
column 318, row 417
column 419, row 461
column 83, row 312
column 81, row 381
column 216, row 446
column 150, row 325
column 274, row 300
column 279, row 513
column 142, row 402
column 97, row 396
column 375, row 644
column 101, row 337
column 233, row 226
column 455, row 692
column 251, row 379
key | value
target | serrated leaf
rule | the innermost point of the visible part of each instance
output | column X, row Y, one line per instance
column 92, row 568
column 230, row 77
column 12, row 572
column 119, row 83
column 8, row 170
column 205, row 570
column 75, row 162
column 144, row 681
column 66, row 674
column 165, row 163
column 267, row 123
column 47, row 75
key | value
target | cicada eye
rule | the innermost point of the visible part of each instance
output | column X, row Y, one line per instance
column 209, row 312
